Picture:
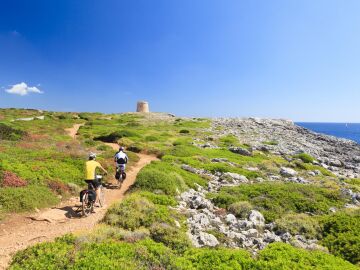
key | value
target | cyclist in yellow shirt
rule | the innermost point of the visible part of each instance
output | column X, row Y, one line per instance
column 90, row 169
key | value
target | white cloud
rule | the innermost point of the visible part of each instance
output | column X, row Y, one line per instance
column 23, row 89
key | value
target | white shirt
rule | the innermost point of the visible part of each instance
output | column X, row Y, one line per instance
column 121, row 154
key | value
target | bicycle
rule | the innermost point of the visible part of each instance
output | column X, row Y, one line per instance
column 120, row 175
column 88, row 197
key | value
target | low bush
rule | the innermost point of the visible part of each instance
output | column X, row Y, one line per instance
column 286, row 257
column 115, row 136
column 10, row 179
column 72, row 253
column 240, row 209
column 135, row 212
column 277, row 199
column 171, row 236
column 166, row 178
column 151, row 138
column 184, row 131
column 218, row 259
column 9, row 133
column 159, row 198
column 58, row 187
column 229, row 140
column 103, row 147
column 299, row 224
column 136, row 148
column 157, row 181
column 28, row 198
column 341, row 234
column 51, row 255
column 305, row 158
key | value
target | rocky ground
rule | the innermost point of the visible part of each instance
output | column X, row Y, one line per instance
column 340, row 156
column 204, row 218
column 211, row 226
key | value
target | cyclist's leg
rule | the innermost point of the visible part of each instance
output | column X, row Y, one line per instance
column 96, row 185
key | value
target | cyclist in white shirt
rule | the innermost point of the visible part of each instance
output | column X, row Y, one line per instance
column 121, row 159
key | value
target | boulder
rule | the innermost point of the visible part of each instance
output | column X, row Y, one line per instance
column 228, row 176
column 270, row 237
column 219, row 160
column 245, row 224
column 231, row 219
column 288, row 172
column 189, row 168
column 201, row 219
column 252, row 233
column 286, row 237
column 240, row 151
column 199, row 202
column 257, row 218
column 336, row 163
column 206, row 239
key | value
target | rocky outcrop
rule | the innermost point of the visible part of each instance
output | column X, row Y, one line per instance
column 340, row 156
column 204, row 218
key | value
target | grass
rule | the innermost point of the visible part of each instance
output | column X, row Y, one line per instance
column 22, row 199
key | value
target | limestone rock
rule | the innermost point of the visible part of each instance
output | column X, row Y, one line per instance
column 257, row 218
column 288, row 172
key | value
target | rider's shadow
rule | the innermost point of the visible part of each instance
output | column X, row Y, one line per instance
column 70, row 212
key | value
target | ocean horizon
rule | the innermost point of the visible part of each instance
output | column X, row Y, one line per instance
column 349, row 131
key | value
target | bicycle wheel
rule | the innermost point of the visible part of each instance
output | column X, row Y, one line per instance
column 87, row 206
column 101, row 196
column 120, row 180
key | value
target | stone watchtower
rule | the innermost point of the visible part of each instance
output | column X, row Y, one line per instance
column 142, row 107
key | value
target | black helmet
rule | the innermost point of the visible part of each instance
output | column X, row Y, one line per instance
column 121, row 148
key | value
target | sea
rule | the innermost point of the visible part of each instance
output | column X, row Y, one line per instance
column 341, row 130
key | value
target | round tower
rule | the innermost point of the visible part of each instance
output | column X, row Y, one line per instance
column 142, row 107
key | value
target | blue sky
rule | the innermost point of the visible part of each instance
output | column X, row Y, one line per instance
column 284, row 59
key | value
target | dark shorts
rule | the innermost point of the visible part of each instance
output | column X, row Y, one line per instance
column 95, row 183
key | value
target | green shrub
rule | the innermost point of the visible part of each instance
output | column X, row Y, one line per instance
column 151, row 138
column 20, row 199
column 171, row 236
column 229, row 140
column 135, row 212
column 11, row 134
column 103, row 147
column 305, row 158
column 51, row 255
column 152, row 179
column 115, row 136
column 299, row 224
column 277, row 199
column 218, row 259
column 136, row 148
column 159, row 198
column 240, row 209
column 184, row 131
column 286, row 257
column 341, row 235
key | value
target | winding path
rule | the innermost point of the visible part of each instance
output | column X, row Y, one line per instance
column 21, row 231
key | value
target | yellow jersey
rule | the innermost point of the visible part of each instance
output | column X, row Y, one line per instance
column 90, row 169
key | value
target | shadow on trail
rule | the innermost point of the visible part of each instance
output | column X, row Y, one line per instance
column 70, row 212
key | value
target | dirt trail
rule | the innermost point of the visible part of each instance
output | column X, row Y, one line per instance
column 73, row 130
column 21, row 231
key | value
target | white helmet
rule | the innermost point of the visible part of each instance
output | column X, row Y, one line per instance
column 92, row 155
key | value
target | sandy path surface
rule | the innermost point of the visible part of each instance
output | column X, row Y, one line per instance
column 21, row 231
column 73, row 130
